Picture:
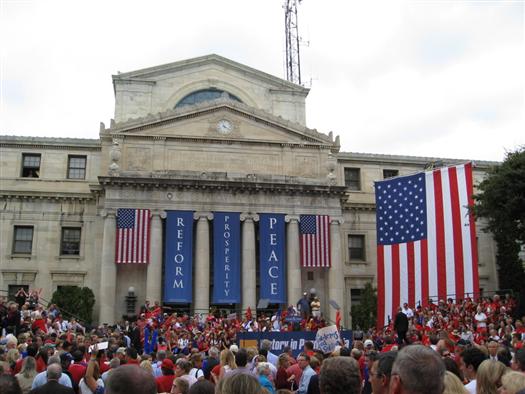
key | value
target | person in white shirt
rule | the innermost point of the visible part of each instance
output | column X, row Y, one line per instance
column 182, row 370
column 196, row 371
column 407, row 311
column 481, row 319
column 470, row 360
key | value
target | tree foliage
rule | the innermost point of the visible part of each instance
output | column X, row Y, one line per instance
column 74, row 301
column 501, row 201
column 364, row 313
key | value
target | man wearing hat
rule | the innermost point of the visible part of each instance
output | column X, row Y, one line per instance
column 165, row 382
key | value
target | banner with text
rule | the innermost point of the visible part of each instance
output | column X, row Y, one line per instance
column 272, row 257
column 179, row 257
column 226, row 258
column 327, row 338
column 295, row 340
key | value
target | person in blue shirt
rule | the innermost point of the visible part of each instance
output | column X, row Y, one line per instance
column 41, row 378
column 304, row 363
column 303, row 305
column 263, row 373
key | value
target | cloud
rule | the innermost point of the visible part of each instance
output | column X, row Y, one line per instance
column 399, row 77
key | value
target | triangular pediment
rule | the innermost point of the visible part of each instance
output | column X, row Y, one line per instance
column 221, row 119
column 185, row 66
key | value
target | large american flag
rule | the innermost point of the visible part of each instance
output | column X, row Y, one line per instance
column 133, row 235
column 426, row 239
column 314, row 234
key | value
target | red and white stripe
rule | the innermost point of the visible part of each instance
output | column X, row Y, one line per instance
column 441, row 266
column 132, row 244
column 315, row 248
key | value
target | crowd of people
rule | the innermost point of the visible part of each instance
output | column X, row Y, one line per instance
column 444, row 347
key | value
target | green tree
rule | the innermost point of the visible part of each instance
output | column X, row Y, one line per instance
column 74, row 301
column 364, row 315
column 501, row 201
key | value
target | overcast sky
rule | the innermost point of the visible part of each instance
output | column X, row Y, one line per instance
column 424, row 78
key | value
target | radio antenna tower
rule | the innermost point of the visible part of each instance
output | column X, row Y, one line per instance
column 293, row 60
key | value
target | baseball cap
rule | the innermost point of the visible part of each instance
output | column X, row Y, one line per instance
column 167, row 364
column 369, row 342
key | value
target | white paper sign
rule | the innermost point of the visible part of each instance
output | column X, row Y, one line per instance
column 100, row 346
column 327, row 339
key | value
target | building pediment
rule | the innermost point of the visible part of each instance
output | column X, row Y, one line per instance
column 162, row 88
column 222, row 119
column 151, row 75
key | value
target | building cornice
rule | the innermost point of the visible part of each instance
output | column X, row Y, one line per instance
column 20, row 142
column 358, row 157
column 49, row 196
column 235, row 186
column 352, row 206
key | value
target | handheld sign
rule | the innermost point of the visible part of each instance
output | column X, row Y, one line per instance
column 100, row 346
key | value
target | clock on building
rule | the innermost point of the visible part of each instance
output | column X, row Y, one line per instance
column 224, row 126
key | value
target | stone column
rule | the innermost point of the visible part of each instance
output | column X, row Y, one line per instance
column 336, row 279
column 249, row 284
column 202, row 262
column 293, row 269
column 108, row 269
column 154, row 273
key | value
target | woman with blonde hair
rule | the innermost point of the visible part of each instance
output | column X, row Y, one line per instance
column 226, row 363
column 146, row 365
column 453, row 385
column 488, row 377
column 11, row 358
column 27, row 374
column 512, row 382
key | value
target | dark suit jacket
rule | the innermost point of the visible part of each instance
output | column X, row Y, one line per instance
column 401, row 322
column 52, row 387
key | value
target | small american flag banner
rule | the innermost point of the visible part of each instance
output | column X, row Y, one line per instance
column 426, row 239
column 133, row 235
column 314, row 239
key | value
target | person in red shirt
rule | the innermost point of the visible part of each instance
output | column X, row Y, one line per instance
column 78, row 367
column 165, row 382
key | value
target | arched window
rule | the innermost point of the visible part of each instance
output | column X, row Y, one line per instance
column 204, row 95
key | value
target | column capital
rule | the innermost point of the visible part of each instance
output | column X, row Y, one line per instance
column 203, row 215
column 290, row 218
column 336, row 220
column 160, row 213
column 249, row 216
column 108, row 212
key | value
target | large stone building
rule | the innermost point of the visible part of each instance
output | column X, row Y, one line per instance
column 203, row 135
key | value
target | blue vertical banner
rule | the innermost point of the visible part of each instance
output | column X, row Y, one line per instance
column 178, row 262
column 272, row 257
column 226, row 258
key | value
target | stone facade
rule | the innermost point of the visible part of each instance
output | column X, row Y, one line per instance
column 250, row 154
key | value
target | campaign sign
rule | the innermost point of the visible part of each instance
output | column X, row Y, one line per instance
column 226, row 258
column 295, row 340
column 179, row 257
column 272, row 258
column 327, row 338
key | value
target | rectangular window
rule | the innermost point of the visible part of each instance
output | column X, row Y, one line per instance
column 353, row 178
column 23, row 239
column 15, row 293
column 356, row 296
column 390, row 173
column 70, row 241
column 309, row 275
column 31, row 165
column 76, row 167
column 356, row 247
